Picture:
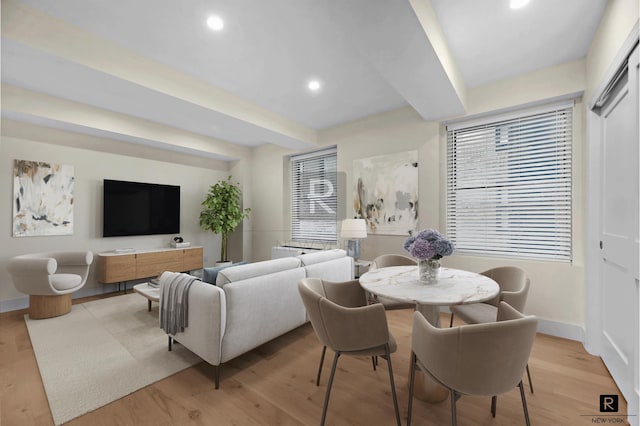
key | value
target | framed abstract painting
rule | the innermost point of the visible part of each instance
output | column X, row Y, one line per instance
column 386, row 193
column 42, row 198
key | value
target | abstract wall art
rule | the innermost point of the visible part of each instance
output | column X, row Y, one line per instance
column 42, row 198
column 386, row 193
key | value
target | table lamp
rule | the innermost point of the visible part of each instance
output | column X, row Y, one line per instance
column 353, row 230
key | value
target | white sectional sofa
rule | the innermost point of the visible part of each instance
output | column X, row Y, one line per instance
column 252, row 304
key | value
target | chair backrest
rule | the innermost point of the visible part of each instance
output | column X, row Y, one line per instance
column 514, row 286
column 477, row 359
column 343, row 328
column 385, row 260
column 31, row 273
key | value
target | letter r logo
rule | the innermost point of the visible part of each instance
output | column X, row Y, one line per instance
column 608, row 403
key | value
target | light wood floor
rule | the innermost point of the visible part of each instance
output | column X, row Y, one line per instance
column 275, row 385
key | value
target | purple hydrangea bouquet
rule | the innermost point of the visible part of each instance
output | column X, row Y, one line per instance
column 428, row 247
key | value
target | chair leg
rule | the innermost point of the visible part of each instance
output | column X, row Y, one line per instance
column 373, row 362
column 454, row 397
column 328, row 393
column 412, row 374
column 170, row 342
column 524, row 404
column 324, row 350
column 494, row 403
column 451, row 321
column 216, row 375
column 529, row 377
column 391, row 381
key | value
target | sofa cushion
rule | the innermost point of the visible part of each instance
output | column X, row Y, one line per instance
column 209, row 275
column 340, row 269
column 256, row 269
column 321, row 256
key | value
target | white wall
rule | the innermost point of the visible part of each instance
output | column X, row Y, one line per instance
column 617, row 22
column 93, row 163
column 557, row 294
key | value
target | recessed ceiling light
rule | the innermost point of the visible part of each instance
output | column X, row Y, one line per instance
column 215, row 23
column 517, row 4
column 314, row 85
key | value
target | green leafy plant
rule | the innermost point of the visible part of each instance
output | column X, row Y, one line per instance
column 221, row 212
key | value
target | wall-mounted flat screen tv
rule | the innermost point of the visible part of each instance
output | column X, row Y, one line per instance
column 135, row 208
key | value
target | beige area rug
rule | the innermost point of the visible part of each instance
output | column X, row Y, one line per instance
column 101, row 351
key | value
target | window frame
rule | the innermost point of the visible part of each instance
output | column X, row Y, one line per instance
column 327, row 230
column 561, row 230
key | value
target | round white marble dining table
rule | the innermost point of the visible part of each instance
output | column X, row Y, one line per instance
column 453, row 287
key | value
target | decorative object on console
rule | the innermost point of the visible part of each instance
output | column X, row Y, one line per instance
column 42, row 198
column 221, row 212
column 428, row 247
column 386, row 193
column 178, row 242
column 353, row 230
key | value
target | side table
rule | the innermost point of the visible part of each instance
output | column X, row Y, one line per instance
column 150, row 292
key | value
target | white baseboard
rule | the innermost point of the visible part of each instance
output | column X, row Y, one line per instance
column 561, row 329
column 554, row 328
column 18, row 303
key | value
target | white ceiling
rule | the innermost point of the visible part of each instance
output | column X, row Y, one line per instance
column 156, row 60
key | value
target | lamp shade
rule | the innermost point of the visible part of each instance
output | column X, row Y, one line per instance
column 353, row 228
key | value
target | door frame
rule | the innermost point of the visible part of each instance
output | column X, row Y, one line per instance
column 593, row 271
column 593, row 325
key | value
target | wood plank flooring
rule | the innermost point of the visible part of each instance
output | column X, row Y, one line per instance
column 275, row 385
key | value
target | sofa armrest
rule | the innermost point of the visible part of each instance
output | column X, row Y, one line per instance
column 207, row 322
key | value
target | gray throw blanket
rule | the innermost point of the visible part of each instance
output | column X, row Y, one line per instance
column 174, row 302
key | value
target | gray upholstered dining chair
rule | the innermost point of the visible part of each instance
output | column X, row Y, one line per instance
column 514, row 288
column 345, row 323
column 383, row 261
column 475, row 359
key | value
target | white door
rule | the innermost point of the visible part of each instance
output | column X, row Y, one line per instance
column 619, row 234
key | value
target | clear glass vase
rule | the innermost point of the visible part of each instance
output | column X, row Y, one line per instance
column 428, row 270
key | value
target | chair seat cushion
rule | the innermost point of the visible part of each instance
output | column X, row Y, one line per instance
column 62, row 282
column 475, row 313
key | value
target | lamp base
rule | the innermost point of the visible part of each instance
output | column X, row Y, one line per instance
column 353, row 249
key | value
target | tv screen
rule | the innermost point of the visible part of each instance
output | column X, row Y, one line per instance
column 134, row 208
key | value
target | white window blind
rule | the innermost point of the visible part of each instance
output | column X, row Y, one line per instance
column 509, row 185
column 314, row 198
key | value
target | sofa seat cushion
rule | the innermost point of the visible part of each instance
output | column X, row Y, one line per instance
column 256, row 269
column 321, row 256
column 62, row 282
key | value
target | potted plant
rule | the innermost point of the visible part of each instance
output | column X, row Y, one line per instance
column 221, row 212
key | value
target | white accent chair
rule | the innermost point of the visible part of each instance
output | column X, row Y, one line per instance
column 49, row 279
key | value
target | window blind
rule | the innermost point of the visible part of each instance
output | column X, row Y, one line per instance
column 509, row 185
column 314, row 199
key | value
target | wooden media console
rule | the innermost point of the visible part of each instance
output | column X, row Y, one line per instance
column 116, row 267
